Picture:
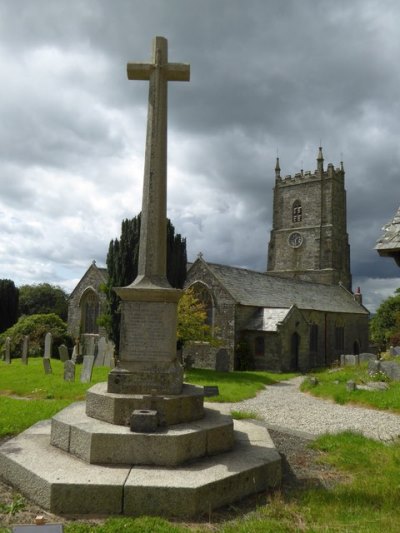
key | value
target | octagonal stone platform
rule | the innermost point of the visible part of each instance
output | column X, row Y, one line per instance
column 65, row 484
column 96, row 441
column 117, row 408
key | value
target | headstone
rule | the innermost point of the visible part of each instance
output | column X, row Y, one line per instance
column 397, row 350
column 7, row 351
column 391, row 369
column 367, row 357
column 351, row 386
column 349, row 360
column 87, row 368
column 222, row 361
column 392, row 351
column 149, row 304
column 89, row 345
column 69, row 370
column 48, row 344
column 76, row 352
column 109, row 355
column 374, row 386
column 47, row 365
column 63, row 352
column 101, row 352
column 25, row 350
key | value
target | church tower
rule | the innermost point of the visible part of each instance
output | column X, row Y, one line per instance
column 309, row 238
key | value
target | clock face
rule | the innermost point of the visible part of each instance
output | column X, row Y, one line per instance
column 295, row 240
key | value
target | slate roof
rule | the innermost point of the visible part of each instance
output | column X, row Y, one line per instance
column 257, row 289
column 390, row 240
column 267, row 319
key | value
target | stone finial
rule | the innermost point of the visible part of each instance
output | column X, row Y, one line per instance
column 320, row 160
column 200, row 255
column 277, row 169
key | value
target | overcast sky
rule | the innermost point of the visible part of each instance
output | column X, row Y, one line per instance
column 267, row 76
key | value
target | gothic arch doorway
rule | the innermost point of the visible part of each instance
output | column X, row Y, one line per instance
column 294, row 349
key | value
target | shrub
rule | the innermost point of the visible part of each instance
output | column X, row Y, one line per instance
column 36, row 326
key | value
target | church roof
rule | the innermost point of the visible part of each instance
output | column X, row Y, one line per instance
column 257, row 289
column 266, row 319
column 390, row 240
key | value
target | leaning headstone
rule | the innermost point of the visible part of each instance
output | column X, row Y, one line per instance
column 101, row 352
column 222, row 361
column 87, row 368
column 47, row 365
column 25, row 350
column 63, row 352
column 89, row 345
column 7, row 351
column 69, row 370
column 48, row 344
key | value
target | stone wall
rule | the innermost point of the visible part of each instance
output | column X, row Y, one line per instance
column 223, row 319
column 92, row 279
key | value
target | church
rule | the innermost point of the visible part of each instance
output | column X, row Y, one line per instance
column 299, row 314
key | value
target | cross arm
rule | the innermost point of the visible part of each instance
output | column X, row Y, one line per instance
column 139, row 71
column 178, row 72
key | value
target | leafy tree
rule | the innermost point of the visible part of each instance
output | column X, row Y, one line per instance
column 9, row 295
column 43, row 298
column 36, row 326
column 192, row 317
column 386, row 324
column 122, row 266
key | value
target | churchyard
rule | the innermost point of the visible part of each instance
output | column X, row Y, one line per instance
column 352, row 484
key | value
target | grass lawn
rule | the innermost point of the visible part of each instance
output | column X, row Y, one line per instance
column 234, row 386
column 366, row 500
column 332, row 385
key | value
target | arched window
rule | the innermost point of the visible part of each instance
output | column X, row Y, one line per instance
column 203, row 294
column 90, row 310
column 297, row 212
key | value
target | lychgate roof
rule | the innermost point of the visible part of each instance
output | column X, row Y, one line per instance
column 389, row 243
column 257, row 289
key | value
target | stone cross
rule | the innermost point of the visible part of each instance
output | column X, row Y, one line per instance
column 147, row 355
column 152, row 250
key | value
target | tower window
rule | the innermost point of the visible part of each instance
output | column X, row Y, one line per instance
column 297, row 212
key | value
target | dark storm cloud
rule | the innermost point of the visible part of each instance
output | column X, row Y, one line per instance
column 265, row 76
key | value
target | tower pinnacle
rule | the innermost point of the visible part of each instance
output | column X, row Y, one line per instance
column 320, row 161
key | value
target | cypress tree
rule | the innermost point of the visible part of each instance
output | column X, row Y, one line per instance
column 122, row 266
column 9, row 296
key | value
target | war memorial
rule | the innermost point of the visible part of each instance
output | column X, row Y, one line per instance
column 144, row 443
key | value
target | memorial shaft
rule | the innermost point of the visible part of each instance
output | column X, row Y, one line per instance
column 152, row 250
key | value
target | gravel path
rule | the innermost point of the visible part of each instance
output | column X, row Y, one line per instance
column 284, row 407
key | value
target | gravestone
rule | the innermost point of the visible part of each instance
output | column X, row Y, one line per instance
column 366, row 357
column 47, row 365
column 397, row 350
column 101, row 352
column 69, row 371
column 89, row 345
column 25, row 350
column 7, row 351
column 109, row 360
column 87, row 368
column 391, row 351
column 76, row 352
column 349, row 360
column 222, row 361
column 63, row 352
column 48, row 344
column 391, row 369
